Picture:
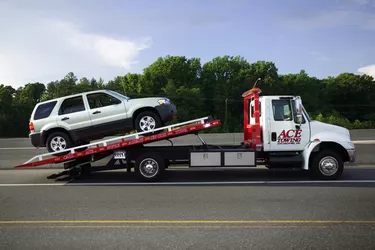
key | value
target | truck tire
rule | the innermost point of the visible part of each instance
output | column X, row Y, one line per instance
column 58, row 141
column 326, row 165
column 147, row 121
column 149, row 167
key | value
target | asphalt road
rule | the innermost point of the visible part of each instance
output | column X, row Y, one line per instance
column 105, row 211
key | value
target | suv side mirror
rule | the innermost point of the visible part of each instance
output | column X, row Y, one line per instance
column 298, row 103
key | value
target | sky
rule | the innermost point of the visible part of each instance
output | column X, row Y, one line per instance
column 43, row 40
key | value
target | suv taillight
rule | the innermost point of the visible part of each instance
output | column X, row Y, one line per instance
column 31, row 127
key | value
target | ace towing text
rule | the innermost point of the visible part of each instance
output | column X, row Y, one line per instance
column 278, row 132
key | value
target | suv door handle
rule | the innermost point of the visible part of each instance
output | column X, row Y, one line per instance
column 65, row 118
column 96, row 112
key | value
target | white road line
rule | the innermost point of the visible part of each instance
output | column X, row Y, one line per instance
column 30, row 184
column 19, row 148
column 14, row 139
column 180, row 183
column 364, row 142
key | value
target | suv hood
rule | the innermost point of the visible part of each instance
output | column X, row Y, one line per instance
column 152, row 101
column 147, row 98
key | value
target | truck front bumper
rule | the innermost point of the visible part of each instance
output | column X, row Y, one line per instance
column 352, row 155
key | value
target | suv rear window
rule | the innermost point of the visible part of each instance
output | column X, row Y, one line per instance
column 44, row 110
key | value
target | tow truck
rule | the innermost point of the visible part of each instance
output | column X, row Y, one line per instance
column 278, row 133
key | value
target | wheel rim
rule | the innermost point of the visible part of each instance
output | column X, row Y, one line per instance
column 58, row 143
column 328, row 166
column 149, row 168
column 147, row 123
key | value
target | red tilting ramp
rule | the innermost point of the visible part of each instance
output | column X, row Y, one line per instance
column 174, row 130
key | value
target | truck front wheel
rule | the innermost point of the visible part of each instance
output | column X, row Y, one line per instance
column 326, row 165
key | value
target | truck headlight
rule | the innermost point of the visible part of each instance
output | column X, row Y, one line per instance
column 164, row 101
column 351, row 144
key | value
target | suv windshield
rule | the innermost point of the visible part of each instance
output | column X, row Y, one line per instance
column 118, row 95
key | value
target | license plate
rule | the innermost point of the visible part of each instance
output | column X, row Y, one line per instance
column 119, row 155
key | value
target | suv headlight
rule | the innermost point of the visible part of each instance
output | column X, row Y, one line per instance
column 164, row 101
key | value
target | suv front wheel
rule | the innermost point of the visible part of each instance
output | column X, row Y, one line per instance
column 58, row 141
column 147, row 121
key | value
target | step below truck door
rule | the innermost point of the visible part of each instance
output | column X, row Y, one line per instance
column 285, row 132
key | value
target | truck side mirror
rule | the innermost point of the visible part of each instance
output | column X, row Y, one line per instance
column 298, row 103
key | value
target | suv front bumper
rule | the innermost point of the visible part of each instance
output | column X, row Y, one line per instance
column 167, row 112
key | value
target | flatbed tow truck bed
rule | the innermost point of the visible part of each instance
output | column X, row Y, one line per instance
column 150, row 162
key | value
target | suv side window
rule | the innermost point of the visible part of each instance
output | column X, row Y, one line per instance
column 99, row 100
column 44, row 110
column 72, row 105
column 282, row 110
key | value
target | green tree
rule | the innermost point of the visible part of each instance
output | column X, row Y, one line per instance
column 180, row 70
column 311, row 89
column 6, row 110
column 351, row 95
column 212, row 89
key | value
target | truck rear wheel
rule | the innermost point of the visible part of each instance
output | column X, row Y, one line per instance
column 327, row 165
column 149, row 166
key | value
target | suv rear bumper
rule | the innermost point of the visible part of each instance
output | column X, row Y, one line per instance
column 37, row 140
column 167, row 112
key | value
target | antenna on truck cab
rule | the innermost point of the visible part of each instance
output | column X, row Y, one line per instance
column 257, row 82
column 253, row 90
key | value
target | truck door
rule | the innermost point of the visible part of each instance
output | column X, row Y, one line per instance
column 286, row 134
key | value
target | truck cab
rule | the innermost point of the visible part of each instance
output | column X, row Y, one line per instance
column 289, row 137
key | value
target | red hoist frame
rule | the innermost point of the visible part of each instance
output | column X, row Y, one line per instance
column 252, row 131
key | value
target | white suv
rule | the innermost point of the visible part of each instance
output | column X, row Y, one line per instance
column 75, row 120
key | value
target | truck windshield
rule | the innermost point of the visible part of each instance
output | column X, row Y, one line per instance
column 306, row 114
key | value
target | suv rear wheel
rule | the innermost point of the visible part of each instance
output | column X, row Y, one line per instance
column 58, row 141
